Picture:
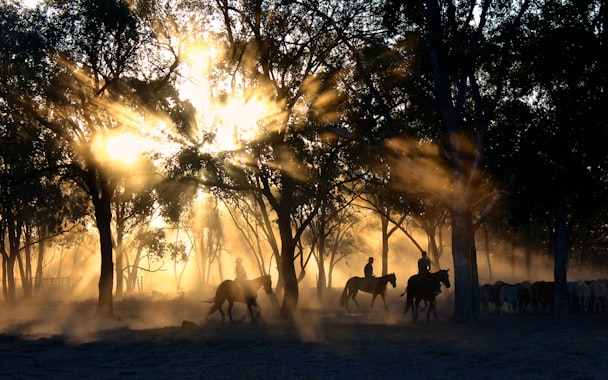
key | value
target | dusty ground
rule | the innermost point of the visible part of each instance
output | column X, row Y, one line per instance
column 148, row 341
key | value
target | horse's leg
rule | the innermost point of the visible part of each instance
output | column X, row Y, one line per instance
column 408, row 303
column 250, row 308
column 383, row 295
column 415, row 309
column 230, row 304
column 258, row 308
column 213, row 309
column 354, row 294
column 431, row 305
column 219, row 307
column 373, row 299
column 250, row 305
column 346, row 296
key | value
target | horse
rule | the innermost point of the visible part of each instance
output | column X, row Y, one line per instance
column 376, row 286
column 542, row 296
column 422, row 287
column 231, row 291
column 582, row 295
column 489, row 294
column 599, row 295
column 511, row 294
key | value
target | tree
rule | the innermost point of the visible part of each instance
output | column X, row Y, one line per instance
column 150, row 252
column 32, row 199
column 334, row 231
column 563, row 77
column 92, row 49
column 209, row 236
column 132, row 207
column 283, row 55
column 466, row 90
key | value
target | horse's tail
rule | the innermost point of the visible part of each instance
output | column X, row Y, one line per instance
column 343, row 296
column 409, row 301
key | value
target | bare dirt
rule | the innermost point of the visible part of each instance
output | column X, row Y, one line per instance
column 149, row 340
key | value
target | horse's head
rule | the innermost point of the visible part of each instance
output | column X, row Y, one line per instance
column 267, row 284
column 445, row 277
column 392, row 279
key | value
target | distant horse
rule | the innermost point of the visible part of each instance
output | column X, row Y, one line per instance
column 582, row 294
column 231, row 291
column 542, row 296
column 376, row 286
column 423, row 287
column 486, row 297
column 511, row 295
column 599, row 295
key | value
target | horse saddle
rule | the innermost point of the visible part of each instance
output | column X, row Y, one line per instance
column 370, row 284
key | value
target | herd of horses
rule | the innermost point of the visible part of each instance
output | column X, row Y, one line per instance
column 537, row 297
column 419, row 288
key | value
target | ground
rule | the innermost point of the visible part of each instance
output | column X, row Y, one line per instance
column 154, row 338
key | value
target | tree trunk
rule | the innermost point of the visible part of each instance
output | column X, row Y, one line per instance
column 42, row 234
column 103, row 218
column 290, row 280
column 385, row 237
column 26, row 272
column 5, row 276
column 561, row 255
column 466, row 282
column 433, row 249
column 15, row 231
column 486, row 240
column 10, row 294
column 119, row 270
column 321, row 257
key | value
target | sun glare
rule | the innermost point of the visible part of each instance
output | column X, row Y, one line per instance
column 30, row 3
column 119, row 149
column 233, row 120
column 237, row 121
column 125, row 147
column 197, row 62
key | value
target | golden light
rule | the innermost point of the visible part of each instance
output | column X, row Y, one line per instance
column 237, row 121
column 121, row 150
column 198, row 59
column 125, row 148
column 30, row 3
column 233, row 120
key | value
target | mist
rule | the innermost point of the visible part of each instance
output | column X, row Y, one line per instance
column 66, row 303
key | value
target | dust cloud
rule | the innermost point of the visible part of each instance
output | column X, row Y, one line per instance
column 67, row 308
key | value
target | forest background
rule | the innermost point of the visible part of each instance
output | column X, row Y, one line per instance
column 150, row 142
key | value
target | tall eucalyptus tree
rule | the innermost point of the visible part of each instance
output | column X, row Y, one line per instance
column 285, row 54
column 465, row 50
column 32, row 199
column 561, row 168
column 97, row 67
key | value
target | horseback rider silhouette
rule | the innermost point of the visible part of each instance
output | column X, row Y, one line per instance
column 241, row 277
column 424, row 264
column 368, row 271
column 424, row 269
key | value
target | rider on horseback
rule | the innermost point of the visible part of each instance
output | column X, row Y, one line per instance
column 368, row 271
column 424, row 269
column 241, row 277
